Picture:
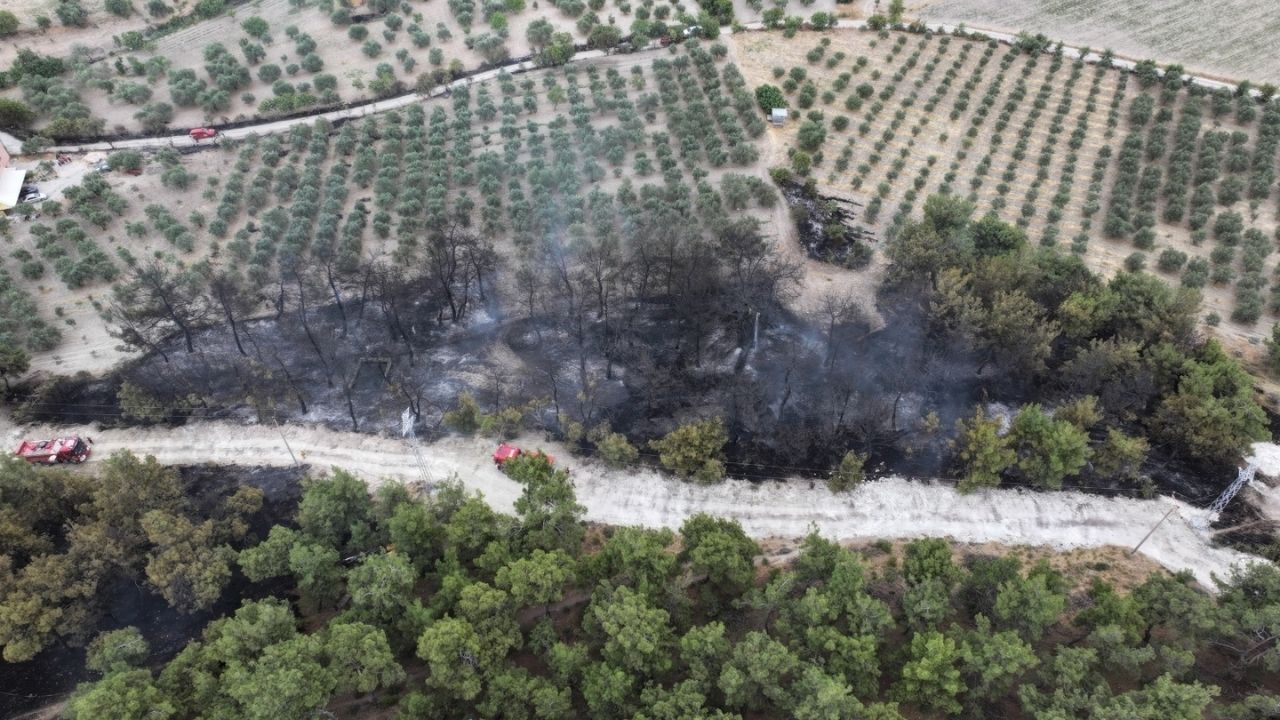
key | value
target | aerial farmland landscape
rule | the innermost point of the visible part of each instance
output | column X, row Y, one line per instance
column 649, row 360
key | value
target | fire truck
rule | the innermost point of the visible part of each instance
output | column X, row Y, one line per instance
column 71, row 449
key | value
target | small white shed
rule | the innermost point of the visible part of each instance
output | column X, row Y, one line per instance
column 778, row 116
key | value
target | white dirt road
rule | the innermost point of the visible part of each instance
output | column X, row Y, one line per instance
column 887, row 508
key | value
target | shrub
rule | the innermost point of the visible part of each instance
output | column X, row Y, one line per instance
column 210, row 8
column 154, row 117
column 849, row 474
column 269, row 73
column 811, row 135
column 694, row 450
column 769, row 97
column 256, row 27
column 8, row 23
column 125, row 160
column 1171, row 260
column 14, row 114
column 325, row 82
column 177, row 178
column 312, row 63
column 71, row 13
column 801, row 161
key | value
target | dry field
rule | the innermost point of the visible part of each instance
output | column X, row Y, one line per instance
column 1034, row 140
column 1232, row 39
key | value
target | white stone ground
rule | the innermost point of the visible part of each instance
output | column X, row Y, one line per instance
column 887, row 508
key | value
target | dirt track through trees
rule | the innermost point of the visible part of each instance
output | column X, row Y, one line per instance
column 886, row 508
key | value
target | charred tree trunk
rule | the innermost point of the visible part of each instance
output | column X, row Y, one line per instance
column 351, row 405
column 224, row 300
column 337, row 297
column 288, row 378
column 306, row 326
column 177, row 320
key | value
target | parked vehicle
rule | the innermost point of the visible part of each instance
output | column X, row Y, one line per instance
column 71, row 449
column 34, row 197
column 507, row 452
column 202, row 133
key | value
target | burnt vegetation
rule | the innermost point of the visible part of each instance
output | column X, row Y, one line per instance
column 643, row 325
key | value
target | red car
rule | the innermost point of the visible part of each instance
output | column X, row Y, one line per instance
column 202, row 133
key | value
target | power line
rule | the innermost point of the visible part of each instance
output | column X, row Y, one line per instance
column 799, row 472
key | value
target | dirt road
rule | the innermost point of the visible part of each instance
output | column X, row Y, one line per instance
column 887, row 508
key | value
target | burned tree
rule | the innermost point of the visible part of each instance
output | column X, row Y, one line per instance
column 155, row 303
column 229, row 292
column 393, row 292
column 756, row 280
column 456, row 264
column 837, row 309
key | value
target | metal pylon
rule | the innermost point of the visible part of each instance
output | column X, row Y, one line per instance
column 411, row 433
column 1208, row 517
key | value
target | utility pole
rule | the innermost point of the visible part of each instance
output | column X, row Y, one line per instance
column 1152, row 530
column 286, row 442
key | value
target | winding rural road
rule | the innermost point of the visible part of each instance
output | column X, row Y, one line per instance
column 13, row 145
column 886, row 508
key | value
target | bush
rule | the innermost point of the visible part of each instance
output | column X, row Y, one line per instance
column 269, row 73
column 1171, row 260
column 256, row 27
column 125, row 160
column 849, row 474
column 14, row 114
column 131, row 93
column 312, row 63
column 769, row 97
column 71, row 13
column 154, row 117
column 1196, row 274
column 801, row 161
column 177, row 178
column 358, row 33
column 325, row 82
column 8, row 23
column 694, row 450
column 614, row 448
column 811, row 135
column 120, row 8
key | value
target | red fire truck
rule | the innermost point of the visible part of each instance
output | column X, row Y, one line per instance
column 72, row 449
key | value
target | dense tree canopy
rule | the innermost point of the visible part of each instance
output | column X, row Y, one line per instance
column 648, row 624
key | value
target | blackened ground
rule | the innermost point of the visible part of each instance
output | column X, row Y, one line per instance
column 55, row 672
column 794, row 393
column 827, row 227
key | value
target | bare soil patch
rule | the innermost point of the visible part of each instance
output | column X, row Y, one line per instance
column 1233, row 39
